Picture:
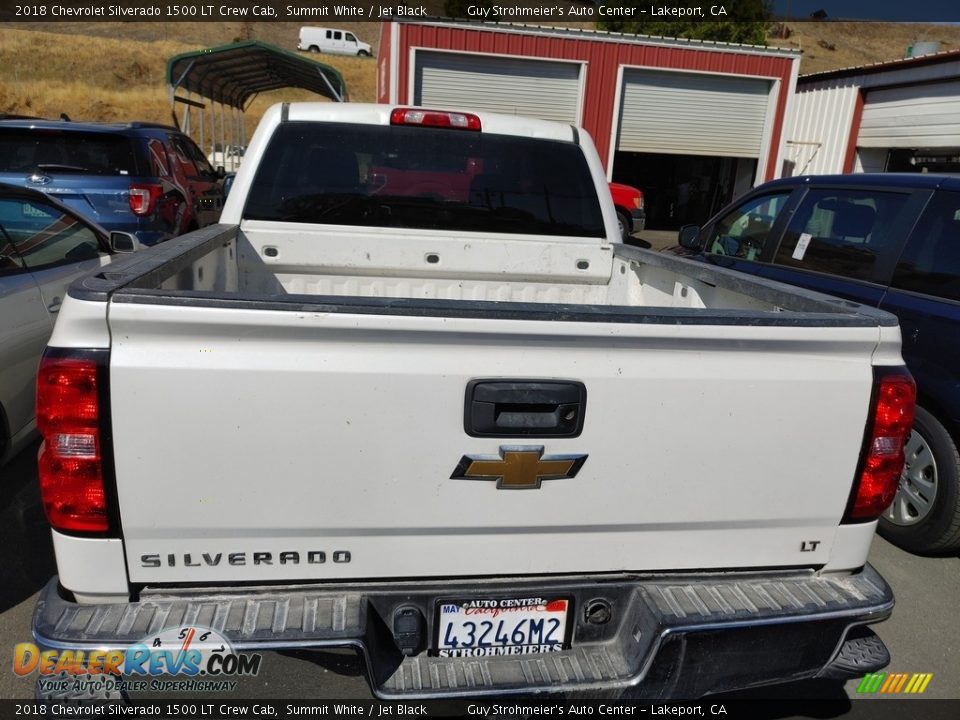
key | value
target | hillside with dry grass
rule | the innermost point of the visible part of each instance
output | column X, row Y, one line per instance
column 116, row 71
column 832, row 45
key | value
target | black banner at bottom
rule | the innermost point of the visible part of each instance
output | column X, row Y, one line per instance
column 734, row 709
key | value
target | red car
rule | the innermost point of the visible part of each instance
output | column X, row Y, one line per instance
column 630, row 213
column 455, row 185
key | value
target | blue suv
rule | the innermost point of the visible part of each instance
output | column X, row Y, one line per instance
column 146, row 179
column 887, row 240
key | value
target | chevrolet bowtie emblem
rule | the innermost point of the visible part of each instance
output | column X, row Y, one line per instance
column 518, row 468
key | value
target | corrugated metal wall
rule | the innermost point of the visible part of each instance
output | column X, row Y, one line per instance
column 870, row 160
column 817, row 143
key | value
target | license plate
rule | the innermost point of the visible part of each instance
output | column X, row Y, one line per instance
column 501, row 626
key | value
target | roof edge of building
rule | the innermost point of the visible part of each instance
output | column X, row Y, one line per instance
column 605, row 35
column 882, row 66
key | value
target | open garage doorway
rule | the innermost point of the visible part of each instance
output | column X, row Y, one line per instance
column 692, row 141
column 936, row 160
column 683, row 189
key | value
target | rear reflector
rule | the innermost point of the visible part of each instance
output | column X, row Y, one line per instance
column 143, row 197
column 434, row 118
column 70, row 462
column 889, row 425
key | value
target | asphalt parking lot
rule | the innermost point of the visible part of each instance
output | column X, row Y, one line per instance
column 923, row 635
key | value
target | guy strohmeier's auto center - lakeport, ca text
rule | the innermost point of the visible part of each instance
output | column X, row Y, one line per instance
column 281, row 11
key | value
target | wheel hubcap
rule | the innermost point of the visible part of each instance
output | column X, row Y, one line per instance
column 918, row 483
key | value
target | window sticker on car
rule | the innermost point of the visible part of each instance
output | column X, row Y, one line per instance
column 801, row 249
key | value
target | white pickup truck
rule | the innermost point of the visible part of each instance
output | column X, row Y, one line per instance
column 414, row 398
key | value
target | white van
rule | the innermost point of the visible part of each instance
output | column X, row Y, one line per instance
column 331, row 40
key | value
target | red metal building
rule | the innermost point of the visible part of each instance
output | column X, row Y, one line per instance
column 691, row 122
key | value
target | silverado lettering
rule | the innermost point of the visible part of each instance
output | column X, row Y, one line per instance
column 287, row 557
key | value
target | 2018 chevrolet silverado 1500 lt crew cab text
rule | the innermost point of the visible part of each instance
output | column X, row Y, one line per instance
column 465, row 431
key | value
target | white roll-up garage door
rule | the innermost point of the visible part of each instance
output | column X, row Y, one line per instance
column 916, row 116
column 680, row 113
column 543, row 89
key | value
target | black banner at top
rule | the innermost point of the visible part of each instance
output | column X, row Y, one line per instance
column 527, row 11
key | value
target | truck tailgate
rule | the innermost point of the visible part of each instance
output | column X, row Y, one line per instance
column 257, row 444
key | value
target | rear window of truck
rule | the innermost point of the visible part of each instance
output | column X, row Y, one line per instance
column 425, row 178
column 83, row 153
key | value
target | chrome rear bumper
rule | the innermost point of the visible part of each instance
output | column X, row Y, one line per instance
column 666, row 636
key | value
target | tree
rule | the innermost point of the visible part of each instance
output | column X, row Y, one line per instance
column 746, row 21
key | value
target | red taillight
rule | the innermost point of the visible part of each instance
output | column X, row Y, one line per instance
column 144, row 197
column 890, row 423
column 70, row 463
column 434, row 118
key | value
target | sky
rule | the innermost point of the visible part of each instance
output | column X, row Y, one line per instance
column 901, row 10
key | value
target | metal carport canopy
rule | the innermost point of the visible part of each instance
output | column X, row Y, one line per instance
column 234, row 74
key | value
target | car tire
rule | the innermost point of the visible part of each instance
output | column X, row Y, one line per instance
column 313, row 49
column 363, row 53
column 623, row 221
column 930, row 476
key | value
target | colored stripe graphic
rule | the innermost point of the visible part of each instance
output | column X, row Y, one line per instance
column 870, row 683
column 894, row 683
column 889, row 683
column 914, row 683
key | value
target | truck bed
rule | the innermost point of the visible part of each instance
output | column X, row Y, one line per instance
column 223, row 263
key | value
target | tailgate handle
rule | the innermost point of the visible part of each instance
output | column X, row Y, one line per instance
column 520, row 408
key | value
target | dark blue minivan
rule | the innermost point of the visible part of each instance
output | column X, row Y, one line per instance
column 887, row 240
column 146, row 179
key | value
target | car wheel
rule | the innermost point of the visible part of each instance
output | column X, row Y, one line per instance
column 925, row 514
column 623, row 222
column 313, row 49
column 363, row 53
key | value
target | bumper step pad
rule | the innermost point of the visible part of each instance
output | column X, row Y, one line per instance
column 862, row 652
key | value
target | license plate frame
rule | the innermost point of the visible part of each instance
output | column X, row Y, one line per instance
column 508, row 616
